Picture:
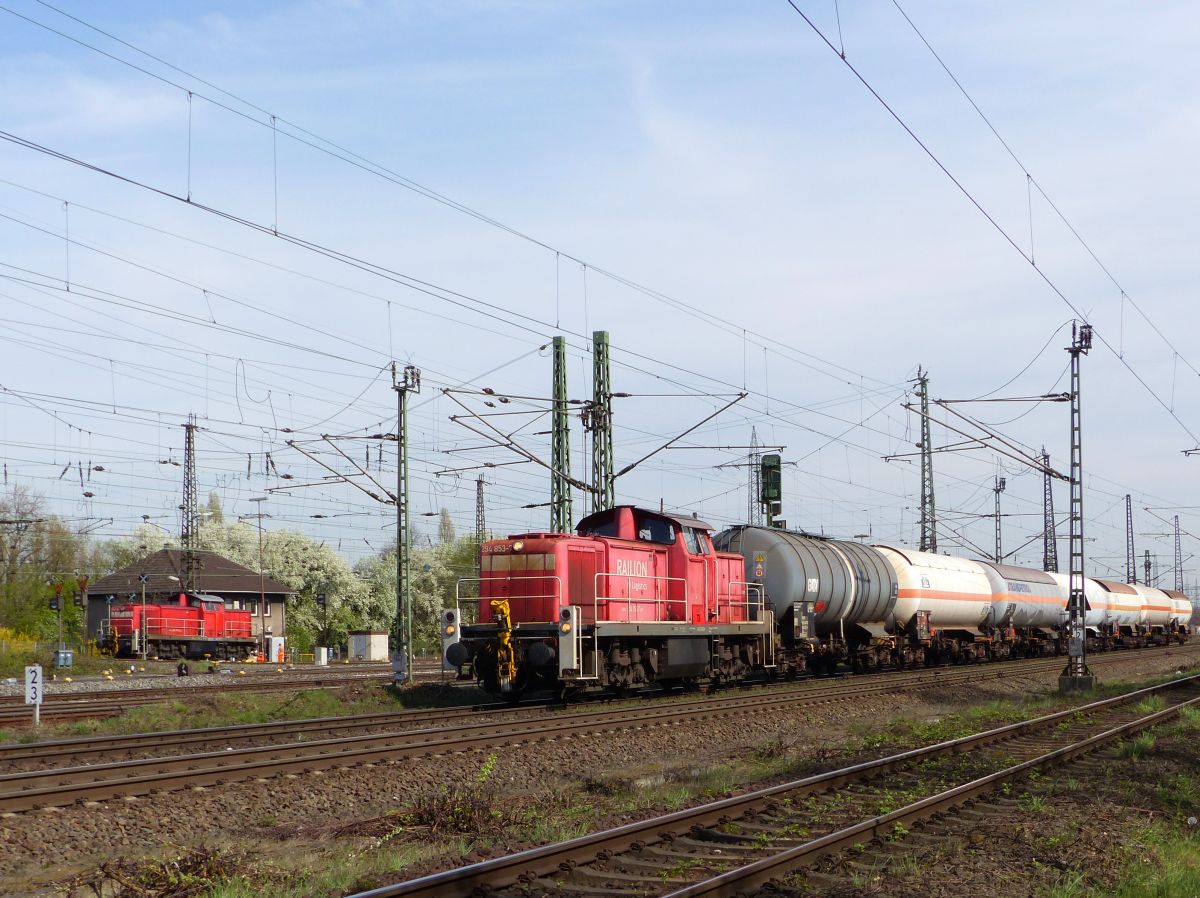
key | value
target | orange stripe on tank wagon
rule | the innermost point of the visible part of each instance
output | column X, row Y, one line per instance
column 979, row 596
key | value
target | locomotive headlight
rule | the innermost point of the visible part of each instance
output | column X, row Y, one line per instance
column 565, row 627
column 518, row 546
column 450, row 629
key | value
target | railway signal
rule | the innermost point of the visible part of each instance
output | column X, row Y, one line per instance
column 772, row 486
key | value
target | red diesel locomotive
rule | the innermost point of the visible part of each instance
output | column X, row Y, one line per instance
column 634, row 597
column 193, row 626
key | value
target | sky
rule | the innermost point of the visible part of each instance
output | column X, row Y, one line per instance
column 246, row 211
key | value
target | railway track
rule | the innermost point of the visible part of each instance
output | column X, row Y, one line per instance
column 114, row 748
column 732, row 846
column 61, row 707
column 239, row 753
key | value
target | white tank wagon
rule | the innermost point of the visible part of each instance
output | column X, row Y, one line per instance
column 1181, row 615
column 1156, row 613
column 1025, row 597
column 832, row 598
column 944, row 602
column 1118, row 604
column 1028, row 609
column 1112, row 609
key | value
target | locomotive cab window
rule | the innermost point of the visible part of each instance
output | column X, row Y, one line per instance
column 655, row 530
column 602, row 525
column 695, row 541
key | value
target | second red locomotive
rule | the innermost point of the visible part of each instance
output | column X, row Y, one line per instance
column 193, row 626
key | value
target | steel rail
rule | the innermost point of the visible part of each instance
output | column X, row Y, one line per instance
column 735, row 882
column 33, row 789
column 266, row 673
column 64, row 707
column 83, row 745
column 15, row 755
column 58, row 786
column 535, row 863
column 76, row 705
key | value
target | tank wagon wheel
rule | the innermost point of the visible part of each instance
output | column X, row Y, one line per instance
column 566, row 694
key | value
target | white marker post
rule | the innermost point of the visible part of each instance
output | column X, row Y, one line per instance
column 33, row 691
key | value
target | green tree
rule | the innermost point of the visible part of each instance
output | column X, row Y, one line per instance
column 38, row 550
column 436, row 571
column 215, row 514
column 445, row 527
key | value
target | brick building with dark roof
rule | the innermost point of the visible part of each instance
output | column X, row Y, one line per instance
column 216, row 575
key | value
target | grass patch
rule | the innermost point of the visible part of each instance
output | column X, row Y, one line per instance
column 1151, row 705
column 1163, row 862
column 339, row 875
column 187, row 874
column 209, row 710
column 1137, row 746
column 905, row 732
column 1189, row 718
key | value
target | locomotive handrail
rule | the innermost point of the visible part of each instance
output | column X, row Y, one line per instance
column 459, row 598
column 178, row 627
column 658, row 601
column 751, row 589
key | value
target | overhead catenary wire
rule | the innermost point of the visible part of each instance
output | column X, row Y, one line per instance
column 848, row 431
column 1008, row 238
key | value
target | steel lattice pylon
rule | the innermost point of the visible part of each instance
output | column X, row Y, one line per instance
column 1178, row 559
column 754, row 509
column 928, row 507
column 480, row 524
column 601, row 425
column 188, row 535
column 560, row 445
column 1049, row 539
column 410, row 381
column 1130, row 553
column 1076, row 674
column 998, row 487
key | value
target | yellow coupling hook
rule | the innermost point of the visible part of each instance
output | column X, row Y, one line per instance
column 506, row 658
